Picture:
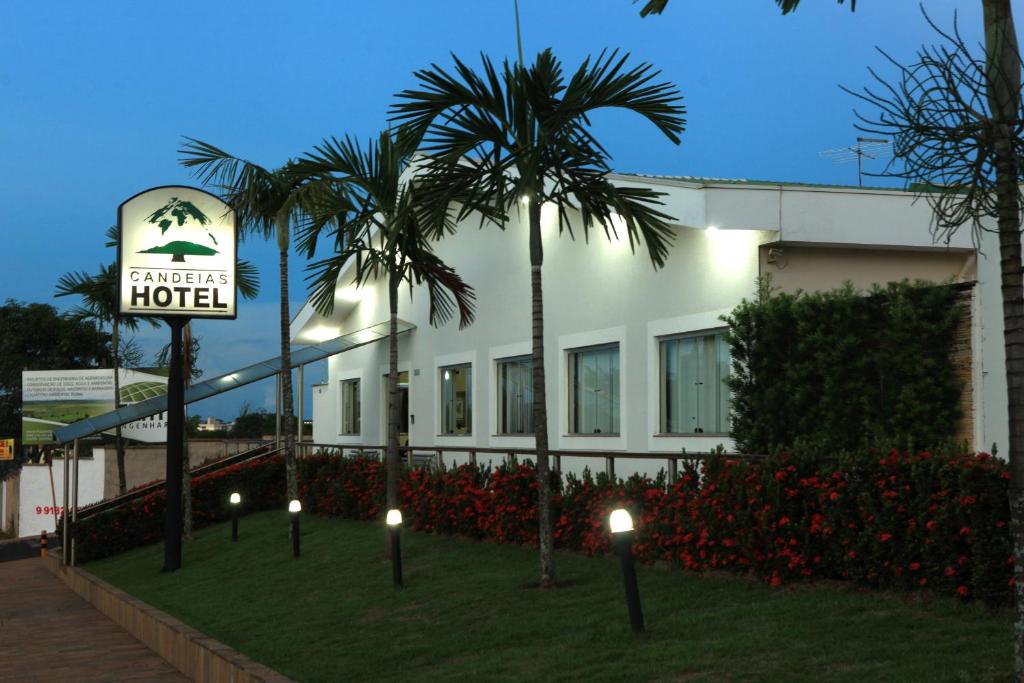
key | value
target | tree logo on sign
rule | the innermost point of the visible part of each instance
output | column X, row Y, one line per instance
column 178, row 215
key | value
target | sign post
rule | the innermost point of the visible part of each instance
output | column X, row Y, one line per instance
column 176, row 260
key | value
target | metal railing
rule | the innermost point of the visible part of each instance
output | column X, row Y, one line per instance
column 418, row 456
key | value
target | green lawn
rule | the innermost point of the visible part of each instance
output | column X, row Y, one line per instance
column 471, row 611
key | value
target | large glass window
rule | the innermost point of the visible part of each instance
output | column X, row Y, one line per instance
column 594, row 390
column 694, row 395
column 350, row 407
column 457, row 399
column 515, row 395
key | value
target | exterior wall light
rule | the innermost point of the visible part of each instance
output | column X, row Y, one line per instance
column 294, row 508
column 236, row 502
column 621, row 523
column 394, row 522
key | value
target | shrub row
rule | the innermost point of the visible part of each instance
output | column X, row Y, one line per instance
column 892, row 520
column 261, row 483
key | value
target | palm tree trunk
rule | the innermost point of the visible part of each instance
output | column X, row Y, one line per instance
column 122, row 481
column 1002, row 63
column 540, row 407
column 391, row 459
column 287, row 398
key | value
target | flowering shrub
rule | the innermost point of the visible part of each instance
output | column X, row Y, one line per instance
column 895, row 520
column 892, row 520
column 141, row 521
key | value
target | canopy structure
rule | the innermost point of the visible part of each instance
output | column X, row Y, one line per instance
column 233, row 380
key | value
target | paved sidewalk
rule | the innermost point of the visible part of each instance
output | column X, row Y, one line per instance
column 47, row 633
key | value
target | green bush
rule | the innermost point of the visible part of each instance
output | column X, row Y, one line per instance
column 840, row 371
column 261, row 483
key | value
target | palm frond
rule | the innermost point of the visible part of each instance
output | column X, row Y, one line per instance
column 247, row 279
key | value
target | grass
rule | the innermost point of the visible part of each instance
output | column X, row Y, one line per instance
column 472, row 611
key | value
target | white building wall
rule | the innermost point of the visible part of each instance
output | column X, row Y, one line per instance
column 36, row 497
column 600, row 292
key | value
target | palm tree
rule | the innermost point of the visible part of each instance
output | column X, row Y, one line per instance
column 523, row 134
column 378, row 225
column 99, row 304
column 266, row 201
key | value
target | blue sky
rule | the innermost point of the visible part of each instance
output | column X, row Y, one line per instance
column 95, row 97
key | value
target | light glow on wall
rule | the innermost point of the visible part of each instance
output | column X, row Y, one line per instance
column 351, row 294
column 730, row 252
column 323, row 333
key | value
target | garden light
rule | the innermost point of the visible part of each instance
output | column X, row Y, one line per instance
column 294, row 508
column 394, row 522
column 621, row 524
column 620, row 521
column 236, row 502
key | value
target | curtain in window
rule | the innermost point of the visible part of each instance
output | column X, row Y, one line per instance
column 515, row 396
column 595, row 391
column 694, row 395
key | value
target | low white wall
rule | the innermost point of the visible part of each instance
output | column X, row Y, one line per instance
column 35, row 512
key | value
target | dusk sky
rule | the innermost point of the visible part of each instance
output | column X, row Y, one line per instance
column 95, row 98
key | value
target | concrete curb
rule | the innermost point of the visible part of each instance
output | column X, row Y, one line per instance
column 195, row 655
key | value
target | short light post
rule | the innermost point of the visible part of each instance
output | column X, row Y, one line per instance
column 294, row 508
column 236, row 502
column 394, row 522
column 622, row 540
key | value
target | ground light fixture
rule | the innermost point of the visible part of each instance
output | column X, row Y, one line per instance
column 623, row 535
column 294, row 508
column 236, row 502
column 394, row 522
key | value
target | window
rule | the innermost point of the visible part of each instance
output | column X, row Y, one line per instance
column 694, row 396
column 515, row 395
column 350, row 406
column 594, row 390
column 457, row 400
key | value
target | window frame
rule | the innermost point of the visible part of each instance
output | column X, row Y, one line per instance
column 358, row 394
column 615, row 391
column 467, row 406
column 660, row 397
column 499, row 394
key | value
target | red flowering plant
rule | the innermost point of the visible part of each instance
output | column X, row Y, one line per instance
column 351, row 487
column 447, row 501
column 886, row 519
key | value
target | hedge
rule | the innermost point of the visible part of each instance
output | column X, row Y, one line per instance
column 140, row 522
column 843, row 371
column 890, row 520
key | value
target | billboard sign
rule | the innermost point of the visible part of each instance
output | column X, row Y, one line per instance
column 177, row 254
column 55, row 398
column 6, row 449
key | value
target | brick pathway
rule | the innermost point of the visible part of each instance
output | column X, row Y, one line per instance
column 49, row 634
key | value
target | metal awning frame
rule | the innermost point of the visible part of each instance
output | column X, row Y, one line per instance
column 232, row 380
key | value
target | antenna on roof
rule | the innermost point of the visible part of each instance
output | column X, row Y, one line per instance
column 871, row 148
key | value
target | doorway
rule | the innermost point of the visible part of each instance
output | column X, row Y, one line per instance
column 403, row 408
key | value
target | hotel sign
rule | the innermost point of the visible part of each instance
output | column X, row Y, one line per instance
column 177, row 254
